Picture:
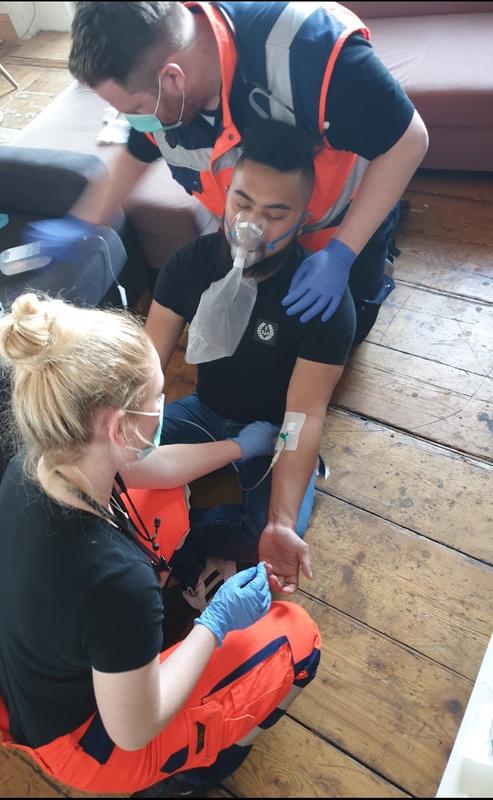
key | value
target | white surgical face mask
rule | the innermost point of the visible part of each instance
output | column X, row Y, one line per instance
column 156, row 439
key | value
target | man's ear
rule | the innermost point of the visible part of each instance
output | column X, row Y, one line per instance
column 173, row 80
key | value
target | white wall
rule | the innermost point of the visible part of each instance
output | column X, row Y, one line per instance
column 53, row 16
column 49, row 16
column 20, row 15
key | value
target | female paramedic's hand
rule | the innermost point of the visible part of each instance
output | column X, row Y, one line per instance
column 319, row 282
column 242, row 600
column 257, row 439
column 281, row 548
column 59, row 236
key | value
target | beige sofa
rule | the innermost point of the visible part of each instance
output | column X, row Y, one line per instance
column 442, row 55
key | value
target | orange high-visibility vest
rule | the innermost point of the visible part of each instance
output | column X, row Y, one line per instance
column 337, row 172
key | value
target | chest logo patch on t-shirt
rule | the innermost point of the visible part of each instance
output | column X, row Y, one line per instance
column 265, row 332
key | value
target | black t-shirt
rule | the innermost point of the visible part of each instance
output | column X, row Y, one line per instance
column 75, row 593
column 366, row 107
column 252, row 384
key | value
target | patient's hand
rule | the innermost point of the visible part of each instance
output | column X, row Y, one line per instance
column 284, row 553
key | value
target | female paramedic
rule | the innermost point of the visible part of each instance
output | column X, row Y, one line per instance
column 84, row 686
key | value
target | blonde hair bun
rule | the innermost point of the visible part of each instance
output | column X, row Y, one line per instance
column 68, row 362
column 32, row 326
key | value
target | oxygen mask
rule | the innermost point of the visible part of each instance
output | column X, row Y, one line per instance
column 246, row 238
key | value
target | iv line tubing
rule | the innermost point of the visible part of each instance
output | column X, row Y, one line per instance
column 243, row 488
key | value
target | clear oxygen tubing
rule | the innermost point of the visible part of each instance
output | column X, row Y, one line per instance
column 121, row 289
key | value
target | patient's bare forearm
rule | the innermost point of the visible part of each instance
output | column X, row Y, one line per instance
column 292, row 473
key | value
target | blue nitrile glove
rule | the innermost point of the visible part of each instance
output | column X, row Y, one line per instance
column 257, row 439
column 58, row 237
column 319, row 282
column 242, row 600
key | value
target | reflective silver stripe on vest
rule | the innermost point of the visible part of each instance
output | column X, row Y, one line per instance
column 281, row 101
column 352, row 182
column 199, row 160
column 228, row 159
column 277, row 51
column 181, row 157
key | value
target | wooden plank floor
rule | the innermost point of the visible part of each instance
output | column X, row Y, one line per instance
column 39, row 65
column 401, row 532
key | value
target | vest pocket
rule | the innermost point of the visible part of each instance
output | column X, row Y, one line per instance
column 249, row 699
column 205, row 725
column 245, row 698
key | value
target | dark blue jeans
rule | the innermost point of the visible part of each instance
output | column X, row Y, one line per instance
column 228, row 531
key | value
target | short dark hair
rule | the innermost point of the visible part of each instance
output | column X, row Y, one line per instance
column 281, row 146
column 112, row 41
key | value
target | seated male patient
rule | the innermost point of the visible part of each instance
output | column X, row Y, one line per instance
column 253, row 363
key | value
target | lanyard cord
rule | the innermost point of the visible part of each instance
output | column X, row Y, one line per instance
column 144, row 533
column 121, row 521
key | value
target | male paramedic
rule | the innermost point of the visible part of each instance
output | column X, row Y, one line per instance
column 190, row 76
column 254, row 361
